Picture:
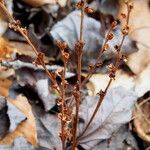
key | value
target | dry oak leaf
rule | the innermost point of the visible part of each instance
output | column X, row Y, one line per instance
column 4, row 87
column 26, row 128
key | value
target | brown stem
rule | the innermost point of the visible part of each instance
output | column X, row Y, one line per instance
column 111, row 79
column 93, row 69
column 62, row 108
column 79, row 65
column 96, row 109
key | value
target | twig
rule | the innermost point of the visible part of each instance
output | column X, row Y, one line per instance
column 79, row 51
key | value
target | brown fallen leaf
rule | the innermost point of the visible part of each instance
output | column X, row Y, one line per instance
column 26, row 128
column 4, row 87
column 142, row 119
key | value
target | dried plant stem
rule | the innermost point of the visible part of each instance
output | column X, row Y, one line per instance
column 103, row 93
column 23, row 32
column 63, row 139
column 79, row 65
column 96, row 108
column 94, row 67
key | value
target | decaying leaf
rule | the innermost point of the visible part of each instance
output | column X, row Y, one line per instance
column 99, row 81
column 15, row 116
column 70, row 27
column 142, row 80
column 48, row 127
column 4, row 87
column 123, row 139
column 27, row 128
column 142, row 119
column 116, row 110
column 4, row 120
column 48, row 99
column 19, row 143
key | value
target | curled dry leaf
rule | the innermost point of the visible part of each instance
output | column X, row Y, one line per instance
column 4, row 87
column 26, row 128
column 115, row 110
column 142, row 119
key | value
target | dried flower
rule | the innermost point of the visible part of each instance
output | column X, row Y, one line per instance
column 110, row 36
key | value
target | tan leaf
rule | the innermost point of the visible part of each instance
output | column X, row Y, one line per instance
column 4, row 87
column 25, row 129
column 100, row 81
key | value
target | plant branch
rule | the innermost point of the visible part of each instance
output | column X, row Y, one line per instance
column 113, row 71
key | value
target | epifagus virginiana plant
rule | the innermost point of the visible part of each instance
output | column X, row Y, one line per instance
column 69, row 120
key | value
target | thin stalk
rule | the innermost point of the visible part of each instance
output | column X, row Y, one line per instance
column 93, row 69
column 79, row 65
column 62, row 108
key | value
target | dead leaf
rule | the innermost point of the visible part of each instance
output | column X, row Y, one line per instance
column 142, row 119
column 6, row 51
column 142, row 81
column 4, row 120
column 27, row 128
column 48, row 99
column 100, row 81
column 4, row 87
column 48, row 127
column 15, row 116
column 19, row 143
column 6, row 72
column 70, row 27
column 123, row 139
column 116, row 110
